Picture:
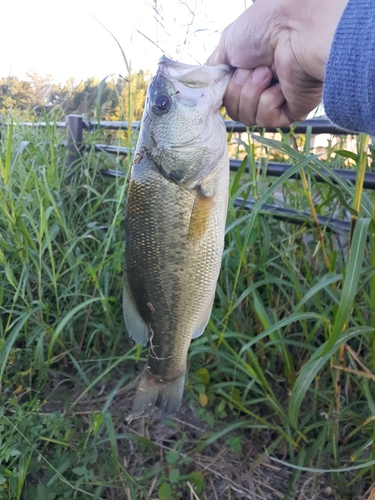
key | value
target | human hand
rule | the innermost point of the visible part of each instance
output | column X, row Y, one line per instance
column 280, row 49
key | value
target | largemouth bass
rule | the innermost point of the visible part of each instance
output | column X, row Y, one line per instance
column 174, row 224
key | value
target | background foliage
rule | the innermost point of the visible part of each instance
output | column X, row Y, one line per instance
column 36, row 95
column 279, row 399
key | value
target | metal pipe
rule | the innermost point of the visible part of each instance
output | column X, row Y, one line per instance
column 275, row 169
column 75, row 128
column 317, row 125
column 117, row 150
column 112, row 125
column 112, row 173
column 272, row 169
column 74, row 142
column 295, row 217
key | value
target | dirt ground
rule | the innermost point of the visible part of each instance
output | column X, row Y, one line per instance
column 251, row 474
column 228, row 475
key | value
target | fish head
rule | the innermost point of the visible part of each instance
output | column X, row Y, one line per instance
column 183, row 130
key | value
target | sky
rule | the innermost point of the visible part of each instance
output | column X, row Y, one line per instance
column 71, row 39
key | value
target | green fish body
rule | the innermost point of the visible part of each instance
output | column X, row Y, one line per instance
column 174, row 224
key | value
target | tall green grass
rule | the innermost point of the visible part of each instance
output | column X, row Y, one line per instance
column 288, row 357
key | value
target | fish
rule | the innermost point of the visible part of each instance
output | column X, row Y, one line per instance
column 174, row 225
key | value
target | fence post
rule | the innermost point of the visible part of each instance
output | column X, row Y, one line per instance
column 74, row 141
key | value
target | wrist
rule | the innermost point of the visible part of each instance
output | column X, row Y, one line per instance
column 314, row 29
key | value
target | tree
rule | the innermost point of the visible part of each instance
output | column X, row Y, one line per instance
column 117, row 98
column 15, row 95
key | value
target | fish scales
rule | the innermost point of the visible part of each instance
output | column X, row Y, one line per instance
column 177, row 279
column 174, row 234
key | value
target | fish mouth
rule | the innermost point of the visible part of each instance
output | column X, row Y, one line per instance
column 193, row 75
column 185, row 158
column 191, row 82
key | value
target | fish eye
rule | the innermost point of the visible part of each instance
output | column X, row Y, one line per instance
column 162, row 104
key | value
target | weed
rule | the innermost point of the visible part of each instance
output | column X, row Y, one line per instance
column 286, row 364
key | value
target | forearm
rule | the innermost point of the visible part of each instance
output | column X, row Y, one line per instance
column 349, row 86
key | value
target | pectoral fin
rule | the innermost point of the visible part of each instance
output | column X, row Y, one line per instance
column 203, row 320
column 137, row 328
column 200, row 216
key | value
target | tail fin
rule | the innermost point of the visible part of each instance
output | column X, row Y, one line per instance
column 152, row 393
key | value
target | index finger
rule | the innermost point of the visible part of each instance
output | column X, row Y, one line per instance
column 219, row 55
column 249, row 41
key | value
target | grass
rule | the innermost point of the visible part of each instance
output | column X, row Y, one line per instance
column 280, row 389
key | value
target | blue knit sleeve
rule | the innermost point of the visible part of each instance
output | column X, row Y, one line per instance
column 349, row 86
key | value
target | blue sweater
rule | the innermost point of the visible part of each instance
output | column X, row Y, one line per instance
column 349, row 87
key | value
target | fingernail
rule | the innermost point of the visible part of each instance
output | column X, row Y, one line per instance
column 241, row 75
column 260, row 74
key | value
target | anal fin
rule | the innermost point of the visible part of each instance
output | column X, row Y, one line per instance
column 136, row 326
column 204, row 319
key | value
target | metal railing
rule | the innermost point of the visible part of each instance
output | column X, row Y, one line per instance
column 76, row 126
